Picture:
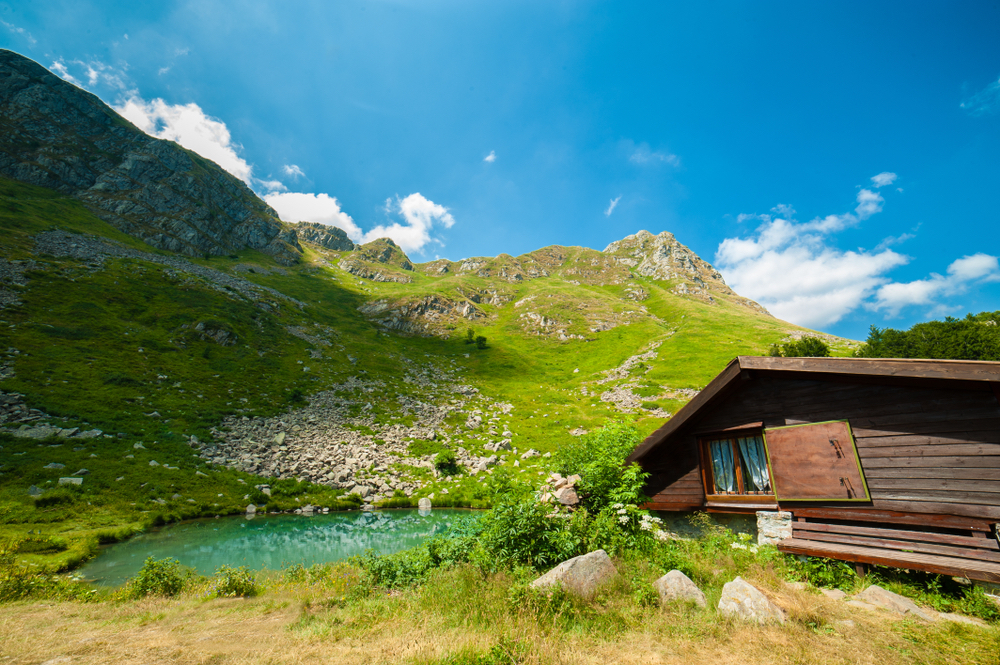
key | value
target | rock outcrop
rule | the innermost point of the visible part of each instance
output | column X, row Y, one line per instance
column 580, row 575
column 55, row 135
column 330, row 237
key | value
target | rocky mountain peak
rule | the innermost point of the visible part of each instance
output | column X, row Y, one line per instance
column 662, row 257
column 55, row 135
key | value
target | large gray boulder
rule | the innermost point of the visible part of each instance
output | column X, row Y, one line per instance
column 424, row 503
column 676, row 586
column 581, row 575
column 887, row 600
column 744, row 601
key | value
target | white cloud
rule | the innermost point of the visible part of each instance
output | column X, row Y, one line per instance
column 612, row 206
column 977, row 268
column 793, row 269
column 492, row 157
column 95, row 72
column 293, row 171
column 322, row 208
column 420, row 216
column 643, row 155
column 19, row 31
column 796, row 271
column 894, row 240
column 869, row 203
column 189, row 126
column 883, row 179
column 984, row 101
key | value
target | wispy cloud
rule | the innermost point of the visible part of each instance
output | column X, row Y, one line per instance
column 293, row 171
column 492, row 157
column 611, row 206
column 963, row 272
column 93, row 74
column 644, row 155
column 985, row 101
column 869, row 203
column 19, row 31
column 883, row 179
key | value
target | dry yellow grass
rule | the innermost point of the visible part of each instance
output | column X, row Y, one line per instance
column 283, row 626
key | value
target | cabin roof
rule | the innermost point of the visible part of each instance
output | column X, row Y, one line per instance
column 905, row 368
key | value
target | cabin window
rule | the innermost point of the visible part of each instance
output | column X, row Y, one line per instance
column 737, row 466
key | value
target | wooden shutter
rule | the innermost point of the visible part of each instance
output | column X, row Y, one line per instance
column 815, row 462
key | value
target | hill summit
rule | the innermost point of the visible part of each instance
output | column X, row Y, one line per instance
column 55, row 135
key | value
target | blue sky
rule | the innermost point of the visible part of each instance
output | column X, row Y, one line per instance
column 839, row 162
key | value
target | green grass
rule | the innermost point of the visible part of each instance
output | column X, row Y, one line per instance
column 79, row 333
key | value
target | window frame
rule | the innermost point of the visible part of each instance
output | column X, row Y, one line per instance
column 707, row 473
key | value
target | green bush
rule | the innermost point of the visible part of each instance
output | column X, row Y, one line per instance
column 807, row 347
column 599, row 459
column 231, row 582
column 55, row 497
column 480, row 342
column 157, row 577
column 519, row 531
column 446, row 462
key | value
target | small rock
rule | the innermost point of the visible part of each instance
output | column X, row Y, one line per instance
column 580, row 575
column 745, row 601
column 676, row 586
column 199, row 473
column 887, row 600
column 424, row 504
column 861, row 605
column 844, row 623
column 567, row 496
column 71, row 481
column 34, row 491
column 251, row 509
column 138, row 446
column 54, row 465
column 82, row 472
column 833, row 594
column 153, row 462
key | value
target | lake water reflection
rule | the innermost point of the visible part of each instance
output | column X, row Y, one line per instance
column 273, row 541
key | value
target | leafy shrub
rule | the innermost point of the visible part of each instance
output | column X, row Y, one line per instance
column 230, row 582
column 519, row 531
column 599, row 459
column 807, row 347
column 446, row 462
column 157, row 577
column 650, row 406
column 480, row 342
column 412, row 566
column 504, row 652
column 470, row 336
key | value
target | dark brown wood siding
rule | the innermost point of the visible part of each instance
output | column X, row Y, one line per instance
column 923, row 447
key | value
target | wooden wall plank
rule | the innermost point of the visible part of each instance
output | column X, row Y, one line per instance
column 941, row 450
column 949, row 484
column 982, row 436
column 944, row 461
column 973, row 473
column 976, row 510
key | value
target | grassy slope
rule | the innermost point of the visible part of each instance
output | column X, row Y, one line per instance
column 79, row 332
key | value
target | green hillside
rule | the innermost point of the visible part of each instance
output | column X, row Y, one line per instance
column 347, row 371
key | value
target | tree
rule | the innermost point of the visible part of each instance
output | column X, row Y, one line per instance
column 807, row 347
column 480, row 342
column 470, row 336
column 976, row 337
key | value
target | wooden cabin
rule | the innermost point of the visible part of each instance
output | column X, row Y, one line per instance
column 889, row 462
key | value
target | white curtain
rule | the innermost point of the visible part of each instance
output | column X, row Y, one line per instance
column 755, row 464
column 723, row 470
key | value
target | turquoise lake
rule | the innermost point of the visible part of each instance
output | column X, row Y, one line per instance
column 273, row 541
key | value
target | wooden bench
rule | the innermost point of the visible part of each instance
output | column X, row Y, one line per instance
column 960, row 547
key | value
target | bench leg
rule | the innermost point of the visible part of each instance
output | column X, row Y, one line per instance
column 860, row 569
